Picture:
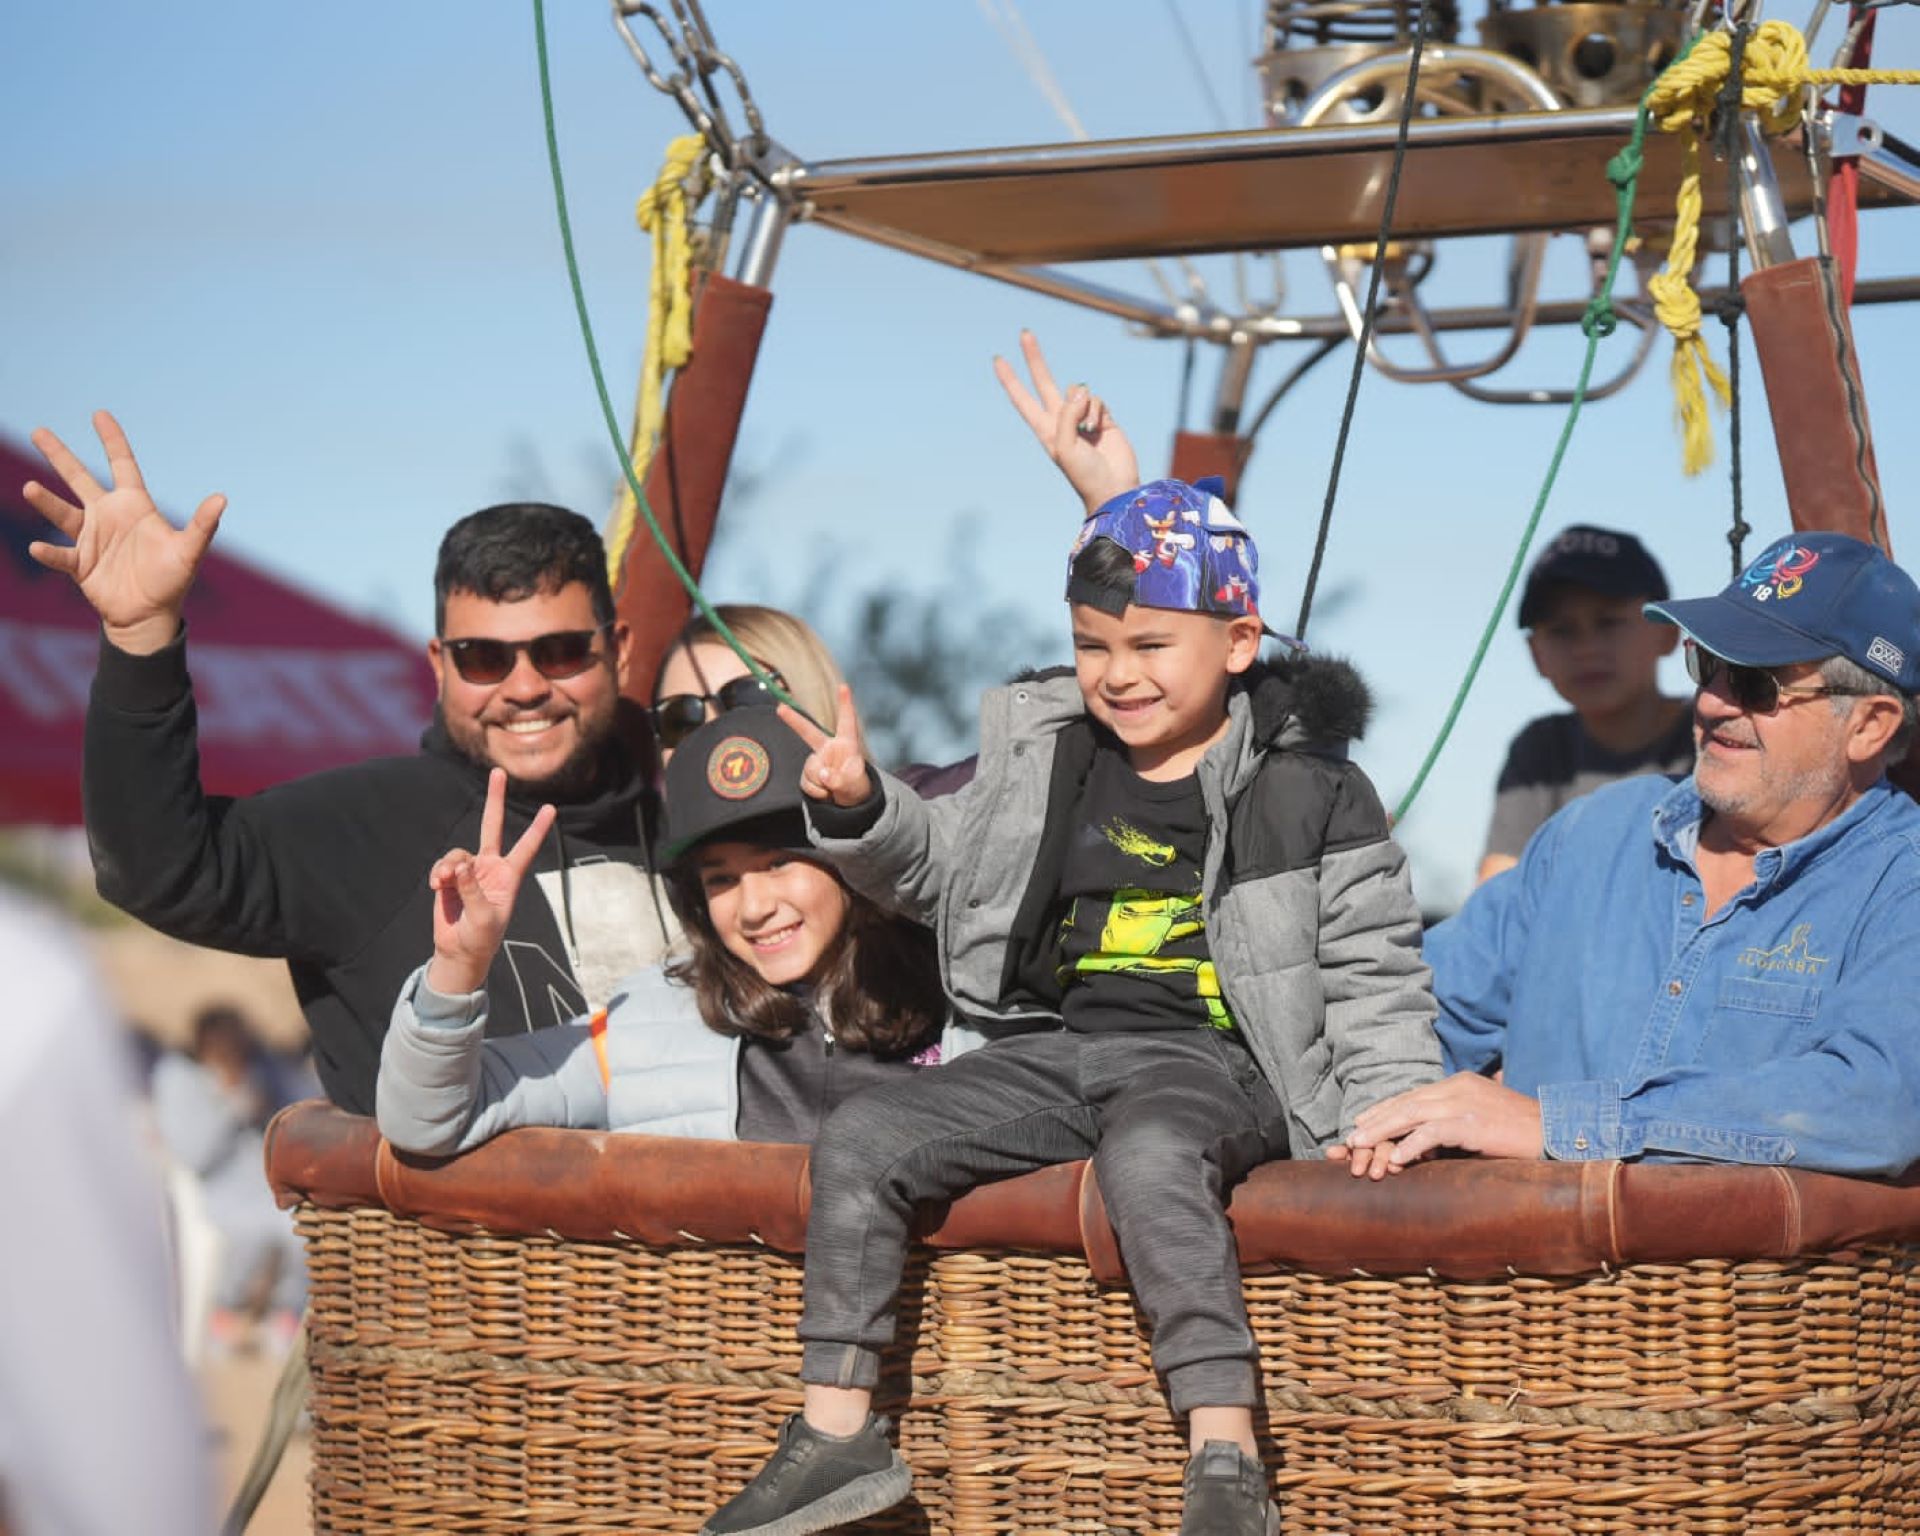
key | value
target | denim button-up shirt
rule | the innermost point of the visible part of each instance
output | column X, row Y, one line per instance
column 1783, row 1029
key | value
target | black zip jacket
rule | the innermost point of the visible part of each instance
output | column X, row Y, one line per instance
column 329, row 872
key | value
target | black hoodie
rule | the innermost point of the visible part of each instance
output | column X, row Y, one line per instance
column 329, row 872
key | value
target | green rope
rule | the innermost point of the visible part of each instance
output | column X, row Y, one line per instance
column 1600, row 321
column 600, row 379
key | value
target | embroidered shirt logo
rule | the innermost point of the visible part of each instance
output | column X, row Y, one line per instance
column 737, row 768
column 1780, row 572
column 1795, row 955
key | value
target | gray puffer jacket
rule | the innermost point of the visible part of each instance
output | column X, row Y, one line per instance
column 1310, row 915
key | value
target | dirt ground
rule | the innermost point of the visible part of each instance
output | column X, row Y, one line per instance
column 160, row 984
column 238, row 1390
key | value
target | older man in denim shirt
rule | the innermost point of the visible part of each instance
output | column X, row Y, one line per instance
column 1725, row 968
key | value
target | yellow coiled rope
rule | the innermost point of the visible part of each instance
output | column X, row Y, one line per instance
column 663, row 214
column 1773, row 76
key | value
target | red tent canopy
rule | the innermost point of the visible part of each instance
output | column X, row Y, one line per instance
column 285, row 684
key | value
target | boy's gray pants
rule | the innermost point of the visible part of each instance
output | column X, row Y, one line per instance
column 1171, row 1119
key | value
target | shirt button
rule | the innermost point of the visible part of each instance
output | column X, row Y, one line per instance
column 1019, row 749
column 1579, row 1143
column 1673, row 989
column 973, row 901
column 1687, row 900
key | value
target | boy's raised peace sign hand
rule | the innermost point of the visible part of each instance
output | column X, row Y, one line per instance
column 127, row 560
column 474, row 894
column 1075, row 428
column 836, row 769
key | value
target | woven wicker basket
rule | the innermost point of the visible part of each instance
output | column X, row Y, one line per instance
column 487, row 1380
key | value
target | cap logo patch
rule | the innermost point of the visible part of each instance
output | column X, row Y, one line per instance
column 737, row 768
column 1886, row 654
column 1779, row 573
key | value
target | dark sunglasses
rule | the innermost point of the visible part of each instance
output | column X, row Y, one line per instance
column 564, row 653
column 679, row 715
column 1754, row 689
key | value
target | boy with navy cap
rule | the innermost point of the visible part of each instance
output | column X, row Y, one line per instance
column 1177, row 907
column 1722, row 968
column 1581, row 609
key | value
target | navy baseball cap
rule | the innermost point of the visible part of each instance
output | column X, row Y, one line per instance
column 1810, row 596
column 737, row 775
column 1602, row 560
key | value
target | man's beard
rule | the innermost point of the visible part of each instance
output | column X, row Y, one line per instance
column 1768, row 786
column 584, row 772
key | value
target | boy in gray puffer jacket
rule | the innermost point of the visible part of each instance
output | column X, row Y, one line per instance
column 1166, row 852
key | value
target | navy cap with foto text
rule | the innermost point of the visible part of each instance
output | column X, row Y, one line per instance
column 1807, row 597
column 1602, row 560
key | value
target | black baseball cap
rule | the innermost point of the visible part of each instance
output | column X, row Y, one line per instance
column 738, row 774
column 1602, row 560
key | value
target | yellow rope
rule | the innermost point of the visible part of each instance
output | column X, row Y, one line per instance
column 663, row 214
column 1773, row 76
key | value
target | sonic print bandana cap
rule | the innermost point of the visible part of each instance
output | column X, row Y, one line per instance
column 1810, row 596
column 1190, row 553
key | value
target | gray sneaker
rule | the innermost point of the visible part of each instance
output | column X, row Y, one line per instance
column 814, row 1482
column 1227, row 1494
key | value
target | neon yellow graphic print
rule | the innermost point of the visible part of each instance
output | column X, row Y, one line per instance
column 1141, row 923
column 1135, row 844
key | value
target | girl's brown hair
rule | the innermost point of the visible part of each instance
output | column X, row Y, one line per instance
column 878, row 987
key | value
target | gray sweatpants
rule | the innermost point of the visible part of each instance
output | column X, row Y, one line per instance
column 1171, row 1119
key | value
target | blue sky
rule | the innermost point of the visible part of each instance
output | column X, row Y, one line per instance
column 309, row 256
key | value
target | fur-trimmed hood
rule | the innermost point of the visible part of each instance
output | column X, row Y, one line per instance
column 1305, row 700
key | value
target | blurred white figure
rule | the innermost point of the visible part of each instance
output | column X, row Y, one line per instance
column 100, row 1429
column 212, row 1107
column 194, row 1244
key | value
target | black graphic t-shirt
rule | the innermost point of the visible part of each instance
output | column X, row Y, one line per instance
column 1133, row 940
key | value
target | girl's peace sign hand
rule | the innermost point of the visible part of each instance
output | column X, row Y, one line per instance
column 836, row 769
column 474, row 894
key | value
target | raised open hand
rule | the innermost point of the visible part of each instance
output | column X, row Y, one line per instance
column 836, row 769
column 474, row 894
column 1075, row 428
column 127, row 560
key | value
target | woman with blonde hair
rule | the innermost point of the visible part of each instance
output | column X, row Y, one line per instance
column 701, row 677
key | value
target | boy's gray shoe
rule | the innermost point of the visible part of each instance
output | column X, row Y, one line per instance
column 1226, row 1494
column 814, row 1482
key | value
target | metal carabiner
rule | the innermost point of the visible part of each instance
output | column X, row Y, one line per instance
column 711, row 126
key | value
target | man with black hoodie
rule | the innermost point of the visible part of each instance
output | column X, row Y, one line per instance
column 329, row 872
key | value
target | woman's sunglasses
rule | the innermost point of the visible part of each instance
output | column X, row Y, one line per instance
column 564, row 653
column 679, row 715
column 1754, row 689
